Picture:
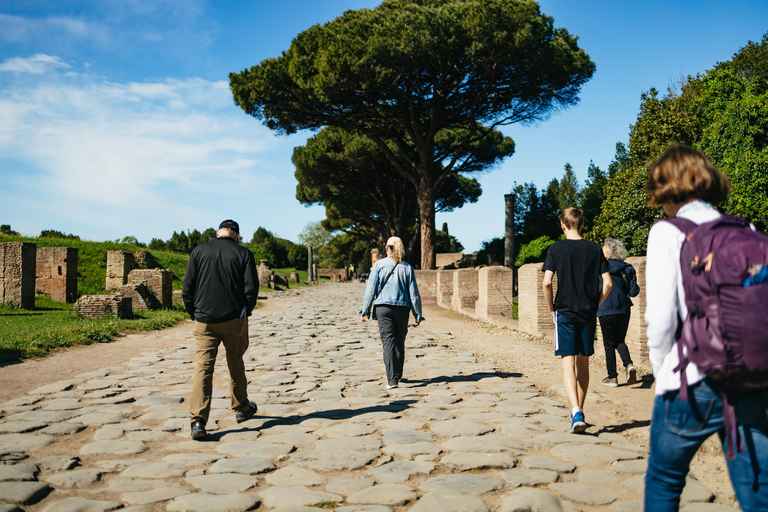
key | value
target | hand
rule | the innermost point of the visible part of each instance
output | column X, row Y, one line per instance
column 363, row 318
column 418, row 322
column 553, row 317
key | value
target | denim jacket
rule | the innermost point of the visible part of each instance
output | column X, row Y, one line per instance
column 400, row 290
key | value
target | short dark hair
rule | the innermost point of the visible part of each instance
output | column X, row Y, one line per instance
column 684, row 173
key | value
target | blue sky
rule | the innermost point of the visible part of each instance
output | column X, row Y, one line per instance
column 116, row 117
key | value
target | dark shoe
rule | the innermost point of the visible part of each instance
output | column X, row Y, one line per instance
column 198, row 430
column 610, row 382
column 244, row 416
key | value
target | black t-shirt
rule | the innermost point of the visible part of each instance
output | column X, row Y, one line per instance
column 578, row 265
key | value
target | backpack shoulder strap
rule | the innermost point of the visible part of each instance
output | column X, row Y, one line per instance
column 683, row 224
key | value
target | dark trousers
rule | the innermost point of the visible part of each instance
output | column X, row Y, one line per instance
column 393, row 327
column 614, row 329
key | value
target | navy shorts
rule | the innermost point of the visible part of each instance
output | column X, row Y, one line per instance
column 574, row 338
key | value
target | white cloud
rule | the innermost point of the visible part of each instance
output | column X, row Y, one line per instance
column 135, row 151
column 39, row 64
column 20, row 29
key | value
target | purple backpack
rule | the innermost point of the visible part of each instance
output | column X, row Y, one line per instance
column 726, row 332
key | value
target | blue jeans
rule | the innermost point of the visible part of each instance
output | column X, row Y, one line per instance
column 678, row 428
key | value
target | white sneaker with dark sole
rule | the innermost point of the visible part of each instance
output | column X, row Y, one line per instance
column 631, row 375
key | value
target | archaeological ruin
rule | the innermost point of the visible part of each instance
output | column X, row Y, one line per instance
column 17, row 274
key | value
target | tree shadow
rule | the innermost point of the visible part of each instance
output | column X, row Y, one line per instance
column 474, row 377
column 332, row 414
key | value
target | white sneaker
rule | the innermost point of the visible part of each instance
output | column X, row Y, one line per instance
column 392, row 385
column 631, row 375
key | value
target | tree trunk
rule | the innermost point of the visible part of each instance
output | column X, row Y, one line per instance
column 426, row 200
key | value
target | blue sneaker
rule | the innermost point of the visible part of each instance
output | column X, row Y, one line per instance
column 578, row 425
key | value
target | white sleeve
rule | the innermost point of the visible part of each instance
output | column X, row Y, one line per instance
column 661, row 281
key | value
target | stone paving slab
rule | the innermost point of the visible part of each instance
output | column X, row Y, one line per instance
column 328, row 434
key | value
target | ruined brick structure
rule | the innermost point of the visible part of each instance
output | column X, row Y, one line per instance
column 140, row 295
column 637, row 335
column 17, row 274
column 144, row 259
column 464, row 291
column 444, row 288
column 266, row 279
column 103, row 306
column 56, row 270
column 532, row 309
column 340, row 275
column 494, row 297
column 119, row 265
column 427, row 282
column 158, row 280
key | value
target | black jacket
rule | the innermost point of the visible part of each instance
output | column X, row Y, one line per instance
column 221, row 280
column 625, row 286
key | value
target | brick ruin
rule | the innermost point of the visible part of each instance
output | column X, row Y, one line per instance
column 17, row 274
column 340, row 275
column 144, row 259
column 158, row 280
column 119, row 264
column 266, row 275
column 56, row 273
column 103, row 306
column 141, row 296
column 494, row 292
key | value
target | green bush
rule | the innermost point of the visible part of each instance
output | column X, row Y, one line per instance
column 534, row 251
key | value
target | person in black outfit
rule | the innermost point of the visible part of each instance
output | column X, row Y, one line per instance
column 221, row 286
column 614, row 313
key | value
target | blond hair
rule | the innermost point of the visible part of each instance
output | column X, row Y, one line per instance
column 572, row 218
column 684, row 173
column 396, row 246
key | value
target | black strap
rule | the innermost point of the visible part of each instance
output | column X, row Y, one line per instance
column 385, row 281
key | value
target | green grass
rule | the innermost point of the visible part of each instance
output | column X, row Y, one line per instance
column 32, row 333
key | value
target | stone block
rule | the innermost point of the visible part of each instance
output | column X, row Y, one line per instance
column 103, row 306
column 141, row 297
column 465, row 291
column 340, row 275
column 427, row 282
column 158, row 280
column 119, row 265
column 444, row 288
column 494, row 292
column 532, row 309
column 56, row 273
column 266, row 279
column 17, row 274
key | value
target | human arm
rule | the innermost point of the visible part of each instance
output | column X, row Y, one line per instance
column 605, row 290
column 415, row 297
column 251, row 281
column 546, row 285
column 370, row 289
column 634, row 288
column 661, row 277
column 189, row 286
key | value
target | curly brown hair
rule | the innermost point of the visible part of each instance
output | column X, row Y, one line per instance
column 684, row 173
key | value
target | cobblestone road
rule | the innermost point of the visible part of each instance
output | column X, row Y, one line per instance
column 456, row 436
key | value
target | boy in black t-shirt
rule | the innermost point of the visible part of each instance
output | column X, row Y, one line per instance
column 579, row 265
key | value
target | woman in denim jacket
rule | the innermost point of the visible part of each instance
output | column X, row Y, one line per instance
column 392, row 283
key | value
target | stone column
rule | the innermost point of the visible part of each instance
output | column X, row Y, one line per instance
column 509, row 236
column 310, row 265
column 532, row 309
column 64, row 274
column 464, row 291
column 637, row 335
column 494, row 292
column 17, row 274
column 444, row 288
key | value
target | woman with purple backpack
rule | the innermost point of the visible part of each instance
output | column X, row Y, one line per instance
column 689, row 405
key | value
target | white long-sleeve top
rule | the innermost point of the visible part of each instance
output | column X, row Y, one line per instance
column 665, row 297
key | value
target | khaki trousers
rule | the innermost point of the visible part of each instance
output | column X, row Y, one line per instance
column 234, row 335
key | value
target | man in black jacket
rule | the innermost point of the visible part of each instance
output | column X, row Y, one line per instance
column 220, row 290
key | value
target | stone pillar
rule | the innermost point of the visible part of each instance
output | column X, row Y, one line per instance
column 494, row 292
column 56, row 270
column 427, row 282
column 444, row 288
column 265, row 275
column 310, row 265
column 158, row 280
column 375, row 256
column 509, row 236
column 464, row 291
column 119, row 265
column 532, row 309
column 637, row 335
column 17, row 274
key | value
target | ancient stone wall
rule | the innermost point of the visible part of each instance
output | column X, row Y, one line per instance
column 265, row 275
column 533, row 315
column 494, row 292
column 144, row 259
column 17, row 274
column 427, row 283
column 637, row 336
column 119, row 265
column 158, row 280
column 103, row 306
column 464, row 291
column 56, row 273
column 444, row 288
column 141, row 297
column 448, row 259
column 340, row 275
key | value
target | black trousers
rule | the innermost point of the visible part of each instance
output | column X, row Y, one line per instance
column 614, row 329
column 393, row 327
